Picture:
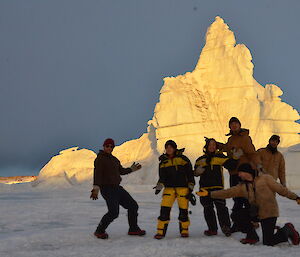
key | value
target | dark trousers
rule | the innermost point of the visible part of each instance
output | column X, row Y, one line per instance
column 243, row 222
column 269, row 238
column 239, row 202
column 210, row 215
column 114, row 197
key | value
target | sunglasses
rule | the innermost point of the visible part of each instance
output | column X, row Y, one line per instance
column 109, row 146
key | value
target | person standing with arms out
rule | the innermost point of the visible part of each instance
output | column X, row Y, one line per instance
column 239, row 139
column 272, row 160
column 176, row 176
column 210, row 169
column 260, row 189
column 107, row 180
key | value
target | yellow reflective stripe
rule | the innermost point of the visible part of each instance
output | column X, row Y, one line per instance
column 218, row 160
column 177, row 161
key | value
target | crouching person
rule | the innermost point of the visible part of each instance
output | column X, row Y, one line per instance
column 260, row 191
column 210, row 169
column 107, row 180
column 176, row 175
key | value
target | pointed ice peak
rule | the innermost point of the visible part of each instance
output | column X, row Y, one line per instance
column 218, row 34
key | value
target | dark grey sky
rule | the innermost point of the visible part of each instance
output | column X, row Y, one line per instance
column 75, row 72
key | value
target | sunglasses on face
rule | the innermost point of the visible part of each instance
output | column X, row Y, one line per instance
column 109, row 146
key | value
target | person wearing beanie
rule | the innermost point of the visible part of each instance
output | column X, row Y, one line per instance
column 239, row 139
column 272, row 160
column 210, row 169
column 260, row 189
column 107, row 171
column 177, row 178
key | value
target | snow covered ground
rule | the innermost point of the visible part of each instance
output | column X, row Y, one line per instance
column 60, row 222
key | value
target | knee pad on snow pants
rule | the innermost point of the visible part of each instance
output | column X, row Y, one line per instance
column 163, row 220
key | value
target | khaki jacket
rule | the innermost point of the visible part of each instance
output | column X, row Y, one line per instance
column 242, row 141
column 264, row 196
column 273, row 164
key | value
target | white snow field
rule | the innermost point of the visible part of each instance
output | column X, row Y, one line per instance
column 52, row 222
column 194, row 105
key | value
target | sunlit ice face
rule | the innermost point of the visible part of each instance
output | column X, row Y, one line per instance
column 212, row 146
column 273, row 143
column 170, row 150
column 245, row 176
column 235, row 126
column 108, row 149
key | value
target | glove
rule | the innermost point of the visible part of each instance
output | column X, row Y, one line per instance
column 202, row 192
column 135, row 166
column 158, row 188
column 298, row 200
column 237, row 153
column 199, row 171
column 95, row 192
column 191, row 197
column 191, row 186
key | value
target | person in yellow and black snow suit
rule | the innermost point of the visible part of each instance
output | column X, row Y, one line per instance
column 210, row 169
column 176, row 176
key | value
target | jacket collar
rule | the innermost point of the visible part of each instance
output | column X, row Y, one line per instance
column 242, row 132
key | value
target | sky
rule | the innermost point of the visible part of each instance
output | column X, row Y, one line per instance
column 73, row 73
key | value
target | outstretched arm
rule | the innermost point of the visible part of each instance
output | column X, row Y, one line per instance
column 236, row 191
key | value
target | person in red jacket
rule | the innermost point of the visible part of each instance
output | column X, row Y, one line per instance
column 107, row 180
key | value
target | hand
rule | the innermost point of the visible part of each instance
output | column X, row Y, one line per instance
column 94, row 194
column 237, row 153
column 199, row 171
column 202, row 192
column 298, row 200
column 191, row 186
column 158, row 188
column 135, row 166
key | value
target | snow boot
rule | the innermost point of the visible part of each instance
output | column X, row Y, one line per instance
column 162, row 227
column 210, row 233
column 249, row 241
column 136, row 232
column 101, row 235
column 291, row 233
column 159, row 236
column 184, row 228
column 226, row 231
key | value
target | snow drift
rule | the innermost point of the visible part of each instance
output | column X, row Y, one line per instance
column 198, row 104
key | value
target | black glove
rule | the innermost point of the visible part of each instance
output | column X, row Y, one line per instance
column 158, row 188
column 191, row 197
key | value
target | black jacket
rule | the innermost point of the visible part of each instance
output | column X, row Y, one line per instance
column 176, row 171
column 108, row 169
column 212, row 178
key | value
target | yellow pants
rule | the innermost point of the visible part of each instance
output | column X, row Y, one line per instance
column 170, row 194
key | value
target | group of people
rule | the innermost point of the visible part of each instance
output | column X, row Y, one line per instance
column 253, row 187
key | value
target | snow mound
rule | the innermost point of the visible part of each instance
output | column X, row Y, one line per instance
column 292, row 157
column 70, row 167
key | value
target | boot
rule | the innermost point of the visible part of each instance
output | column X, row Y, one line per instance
column 162, row 227
column 136, row 232
column 210, row 233
column 100, row 232
column 291, row 233
column 249, row 241
column 226, row 231
column 184, row 228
